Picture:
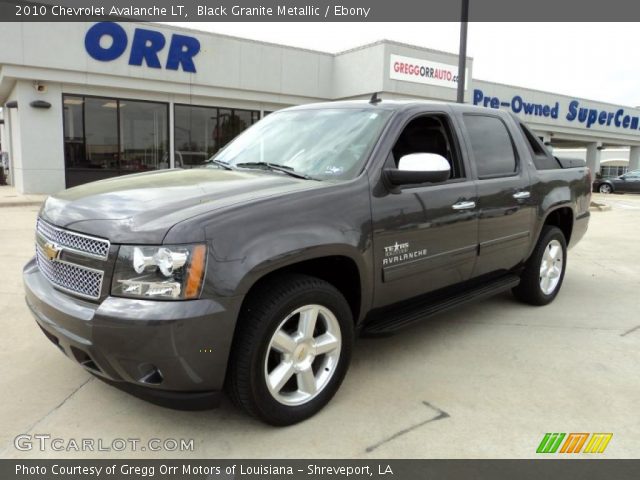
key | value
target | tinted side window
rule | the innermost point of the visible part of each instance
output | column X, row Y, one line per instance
column 542, row 159
column 429, row 134
column 492, row 146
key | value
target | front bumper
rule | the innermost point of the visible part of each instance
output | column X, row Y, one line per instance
column 173, row 353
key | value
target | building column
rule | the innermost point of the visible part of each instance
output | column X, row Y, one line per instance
column 593, row 157
column 634, row 158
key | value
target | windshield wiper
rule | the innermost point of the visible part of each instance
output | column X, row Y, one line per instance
column 277, row 168
column 220, row 163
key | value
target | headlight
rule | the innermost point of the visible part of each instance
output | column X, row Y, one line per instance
column 173, row 272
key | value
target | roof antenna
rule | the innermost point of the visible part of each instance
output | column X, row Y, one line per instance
column 374, row 99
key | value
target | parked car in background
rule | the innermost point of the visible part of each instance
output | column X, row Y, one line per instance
column 627, row 183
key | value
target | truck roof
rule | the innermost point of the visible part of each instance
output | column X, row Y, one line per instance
column 382, row 104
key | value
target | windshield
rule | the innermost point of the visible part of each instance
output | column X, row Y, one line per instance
column 322, row 143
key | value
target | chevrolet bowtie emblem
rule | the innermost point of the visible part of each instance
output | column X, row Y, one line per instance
column 52, row 251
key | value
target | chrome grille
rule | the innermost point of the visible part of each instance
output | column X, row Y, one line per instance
column 83, row 281
column 91, row 246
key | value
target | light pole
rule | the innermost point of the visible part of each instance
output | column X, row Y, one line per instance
column 462, row 51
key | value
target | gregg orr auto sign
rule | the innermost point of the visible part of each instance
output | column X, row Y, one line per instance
column 423, row 71
column 107, row 41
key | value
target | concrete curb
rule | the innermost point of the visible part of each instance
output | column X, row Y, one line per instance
column 24, row 203
column 10, row 198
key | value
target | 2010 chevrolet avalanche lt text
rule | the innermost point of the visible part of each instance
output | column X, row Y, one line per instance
column 255, row 273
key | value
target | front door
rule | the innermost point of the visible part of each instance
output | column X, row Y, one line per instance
column 631, row 182
column 425, row 236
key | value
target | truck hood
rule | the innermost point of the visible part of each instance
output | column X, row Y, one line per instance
column 142, row 208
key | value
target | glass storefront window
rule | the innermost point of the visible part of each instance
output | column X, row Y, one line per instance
column 195, row 130
column 199, row 132
column 107, row 137
column 144, row 136
column 74, row 151
column 608, row 171
column 100, row 134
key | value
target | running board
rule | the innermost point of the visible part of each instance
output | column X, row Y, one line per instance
column 391, row 319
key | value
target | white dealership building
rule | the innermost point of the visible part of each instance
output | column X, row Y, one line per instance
column 86, row 101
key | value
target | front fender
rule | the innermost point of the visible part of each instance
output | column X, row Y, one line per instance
column 264, row 264
column 235, row 274
column 252, row 240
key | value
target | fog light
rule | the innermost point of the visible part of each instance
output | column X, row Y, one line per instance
column 150, row 374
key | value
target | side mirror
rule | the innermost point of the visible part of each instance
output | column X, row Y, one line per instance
column 622, row 177
column 419, row 168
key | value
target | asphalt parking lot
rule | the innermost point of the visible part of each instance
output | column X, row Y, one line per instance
column 484, row 381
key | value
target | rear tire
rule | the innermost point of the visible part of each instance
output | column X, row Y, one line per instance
column 291, row 350
column 543, row 274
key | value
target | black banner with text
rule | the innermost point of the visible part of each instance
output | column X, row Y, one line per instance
column 319, row 469
column 317, row 10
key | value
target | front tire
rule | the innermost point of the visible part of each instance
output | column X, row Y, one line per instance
column 543, row 274
column 605, row 188
column 292, row 349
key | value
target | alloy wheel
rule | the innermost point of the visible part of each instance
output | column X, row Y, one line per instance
column 302, row 355
column 551, row 267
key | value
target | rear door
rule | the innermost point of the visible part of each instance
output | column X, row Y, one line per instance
column 505, row 209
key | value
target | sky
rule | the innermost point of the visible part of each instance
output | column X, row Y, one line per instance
column 588, row 60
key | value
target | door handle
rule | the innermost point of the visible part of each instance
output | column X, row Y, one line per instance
column 521, row 195
column 463, row 205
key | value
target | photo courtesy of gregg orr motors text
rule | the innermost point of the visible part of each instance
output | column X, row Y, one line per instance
column 189, row 469
column 119, row 470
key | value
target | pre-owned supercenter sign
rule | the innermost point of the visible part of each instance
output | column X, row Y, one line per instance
column 574, row 112
column 423, row 71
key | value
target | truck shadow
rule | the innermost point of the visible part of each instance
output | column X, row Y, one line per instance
column 417, row 358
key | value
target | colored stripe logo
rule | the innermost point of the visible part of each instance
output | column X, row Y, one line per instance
column 574, row 443
column 598, row 442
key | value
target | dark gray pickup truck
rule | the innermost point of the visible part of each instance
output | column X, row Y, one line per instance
column 321, row 222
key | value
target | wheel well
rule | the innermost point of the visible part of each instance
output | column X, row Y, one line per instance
column 341, row 272
column 563, row 219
